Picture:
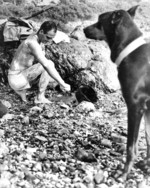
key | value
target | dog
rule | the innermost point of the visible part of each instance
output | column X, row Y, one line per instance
column 131, row 54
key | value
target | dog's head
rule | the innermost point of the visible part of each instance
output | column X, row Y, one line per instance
column 108, row 23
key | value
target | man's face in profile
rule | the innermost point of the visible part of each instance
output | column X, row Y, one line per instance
column 48, row 36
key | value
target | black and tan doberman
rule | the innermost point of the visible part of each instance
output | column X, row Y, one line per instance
column 131, row 54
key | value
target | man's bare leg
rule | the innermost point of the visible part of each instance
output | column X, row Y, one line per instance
column 32, row 73
column 43, row 83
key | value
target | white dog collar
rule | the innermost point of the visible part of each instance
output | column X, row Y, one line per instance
column 130, row 48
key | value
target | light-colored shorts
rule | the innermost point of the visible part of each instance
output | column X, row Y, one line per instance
column 18, row 80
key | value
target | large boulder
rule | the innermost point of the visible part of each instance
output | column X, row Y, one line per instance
column 84, row 62
column 71, row 60
column 104, row 69
column 100, row 62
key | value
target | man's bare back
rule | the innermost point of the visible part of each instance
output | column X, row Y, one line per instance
column 24, row 57
column 22, row 71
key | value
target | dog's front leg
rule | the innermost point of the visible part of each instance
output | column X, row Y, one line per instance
column 134, row 119
column 147, row 135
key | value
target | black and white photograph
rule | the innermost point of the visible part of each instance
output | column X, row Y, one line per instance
column 74, row 94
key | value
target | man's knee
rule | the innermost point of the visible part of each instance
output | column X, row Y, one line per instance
column 40, row 67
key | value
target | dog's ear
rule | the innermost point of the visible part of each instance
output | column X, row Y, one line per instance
column 132, row 11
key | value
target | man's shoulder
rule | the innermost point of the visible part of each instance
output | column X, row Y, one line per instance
column 32, row 44
column 32, row 39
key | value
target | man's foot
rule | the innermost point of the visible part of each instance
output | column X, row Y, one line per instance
column 25, row 101
column 42, row 100
column 22, row 94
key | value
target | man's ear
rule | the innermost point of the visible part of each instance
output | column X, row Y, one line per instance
column 132, row 11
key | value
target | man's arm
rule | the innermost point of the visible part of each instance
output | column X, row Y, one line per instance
column 47, row 64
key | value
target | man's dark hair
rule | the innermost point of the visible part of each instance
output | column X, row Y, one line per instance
column 47, row 26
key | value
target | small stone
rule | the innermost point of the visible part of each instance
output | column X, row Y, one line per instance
column 65, row 106
column 115, row 154
column 8, row 117
column 132, row 183
column 31, row 151
column 82, row 155
column 86, row 107
column 6, row 103
column 99, row 177
column 42, row 155
column 26, row 120
column 77, row 133
column 87, row 179
column 77, row 179
column 101, row 186
column 142, row 185
column 55, row 167
column 106, row 142
column 67, row 180
column 4, row 150
column 62, row 168
column 4, row 183
column 35, row 109
column 2, row 132
column 122, row 148
column 5, row 174
column 118, row 185
column 118, row 138
column 110, row 182
column 79, row 185
column 36, row 181
column 96, row 114
column 58, row 185
column 106, row 174
column 25, row 184
column 20, row 174
column 91, row 185
column 140, row 178
column 48, row 115
column 37, row 167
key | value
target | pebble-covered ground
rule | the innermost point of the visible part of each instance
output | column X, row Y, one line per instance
column 65, row 144
column 70, row 145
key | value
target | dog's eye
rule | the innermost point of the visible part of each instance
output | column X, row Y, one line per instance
column 118, row 13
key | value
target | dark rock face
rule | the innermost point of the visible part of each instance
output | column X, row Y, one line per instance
column 71, row 61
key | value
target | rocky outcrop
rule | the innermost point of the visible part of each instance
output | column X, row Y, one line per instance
column 84, row 61
column 101, row 64
column 80, row 62
column 71, row 60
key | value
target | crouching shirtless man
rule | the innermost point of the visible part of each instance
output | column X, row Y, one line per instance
column 23, row 72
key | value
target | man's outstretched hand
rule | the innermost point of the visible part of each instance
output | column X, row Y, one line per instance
column 66, row 87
